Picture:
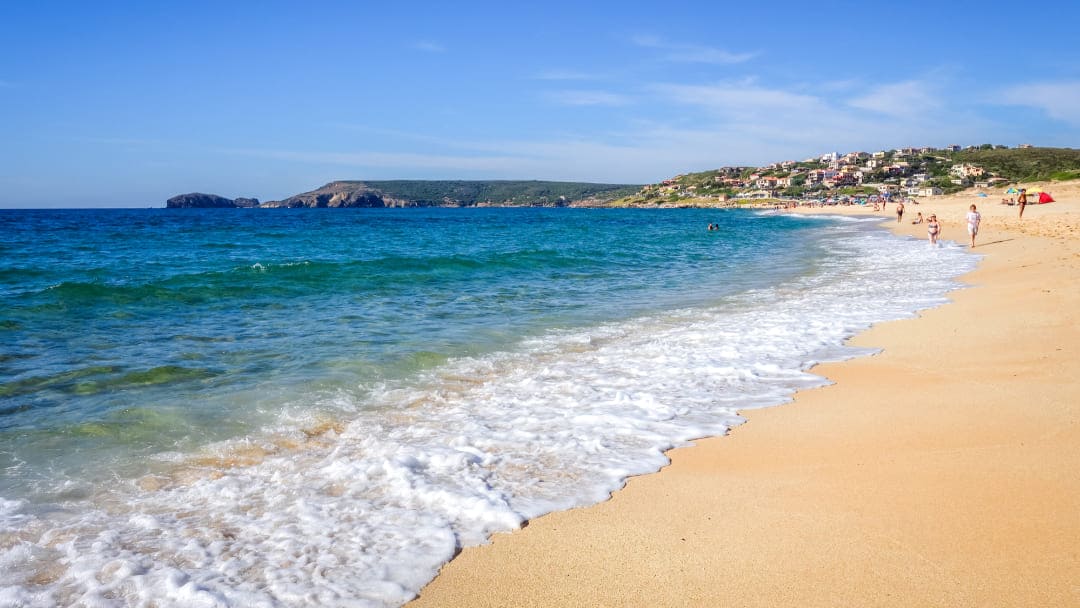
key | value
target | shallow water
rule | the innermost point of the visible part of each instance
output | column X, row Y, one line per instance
column 284, row 407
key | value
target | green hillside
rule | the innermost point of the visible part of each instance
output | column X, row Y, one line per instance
column 434, row 192
column 1024, row 164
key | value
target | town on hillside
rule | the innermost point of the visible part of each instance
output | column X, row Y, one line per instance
column 890, row 174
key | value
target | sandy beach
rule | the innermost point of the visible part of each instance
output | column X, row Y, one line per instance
column 943, row 471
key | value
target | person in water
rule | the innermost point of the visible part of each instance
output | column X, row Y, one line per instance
column 973, row 219
column 933, row 229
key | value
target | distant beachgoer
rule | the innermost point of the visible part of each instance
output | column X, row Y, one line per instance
column 1022, row 201
column 918, row 218
column 973, row 219
column 899, row 211
column 933, row 229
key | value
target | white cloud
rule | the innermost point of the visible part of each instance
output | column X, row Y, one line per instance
column 747, row 115
column 1060, row 100
column 588, row 98
column 744, row 100
column 691, row 53
column 910, row 98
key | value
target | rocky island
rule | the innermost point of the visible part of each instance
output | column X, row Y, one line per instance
column 198, row 200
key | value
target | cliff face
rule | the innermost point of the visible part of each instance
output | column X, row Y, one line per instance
column 198, row 200
column 341, row 194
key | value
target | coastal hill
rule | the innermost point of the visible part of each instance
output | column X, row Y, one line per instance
column 425, row 193
column 907, row 172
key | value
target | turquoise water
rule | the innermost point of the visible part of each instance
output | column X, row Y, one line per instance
column 321, row 406
column 131, row 332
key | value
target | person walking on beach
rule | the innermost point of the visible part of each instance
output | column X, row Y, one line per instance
column 899, row 211
column 973, row 219
column 1022, row 201
column 933, row 228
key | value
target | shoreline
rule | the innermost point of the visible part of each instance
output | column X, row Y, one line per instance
column 940, row 472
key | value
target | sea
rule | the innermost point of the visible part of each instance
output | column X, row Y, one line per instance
column 297, row 407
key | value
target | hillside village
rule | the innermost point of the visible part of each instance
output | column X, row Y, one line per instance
column 903, row 172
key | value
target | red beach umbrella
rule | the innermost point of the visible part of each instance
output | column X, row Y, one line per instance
column 1044, row 197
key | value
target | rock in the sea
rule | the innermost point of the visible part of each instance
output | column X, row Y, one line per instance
column 198, row 200
column 342, row 194
column 246, row 202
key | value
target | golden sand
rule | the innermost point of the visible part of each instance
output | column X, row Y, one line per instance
column 944, row 471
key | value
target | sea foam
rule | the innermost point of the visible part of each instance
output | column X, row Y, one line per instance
column 363, row 511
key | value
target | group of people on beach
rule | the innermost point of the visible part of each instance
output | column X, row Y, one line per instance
column 933, row 227
column 1021, row 200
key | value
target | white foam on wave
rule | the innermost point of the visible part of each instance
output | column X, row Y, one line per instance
column 365, row 512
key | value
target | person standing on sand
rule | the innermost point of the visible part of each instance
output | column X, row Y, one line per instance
column 973, row 219
column 933, row 228
column 899, row 211
column 1022, row 201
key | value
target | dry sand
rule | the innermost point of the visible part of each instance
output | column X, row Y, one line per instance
column 944, row 471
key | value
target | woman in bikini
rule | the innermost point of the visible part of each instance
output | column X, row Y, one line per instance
column 933, row 229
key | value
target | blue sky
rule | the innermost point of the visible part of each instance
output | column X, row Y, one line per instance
column 123, row 104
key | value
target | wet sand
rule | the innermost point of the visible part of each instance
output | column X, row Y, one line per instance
column 943, row 471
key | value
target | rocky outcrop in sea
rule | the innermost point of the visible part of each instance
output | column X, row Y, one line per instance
column 198, row 200
column 342, row 194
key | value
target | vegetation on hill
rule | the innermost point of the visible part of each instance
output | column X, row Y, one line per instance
column 1024, row 164
column 438, row 192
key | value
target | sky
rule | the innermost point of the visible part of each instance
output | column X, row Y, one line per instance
column 124, row 104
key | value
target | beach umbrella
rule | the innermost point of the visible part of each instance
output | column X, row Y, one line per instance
column 1044, row 197
column 1012, row 191
column 981, row 195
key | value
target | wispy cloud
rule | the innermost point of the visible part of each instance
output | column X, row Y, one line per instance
column 748, row 112
column 691, row 53
column 1060, row 100
column 588, row 98
column 428, row 46
column 744, row 100
column 910, row 98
